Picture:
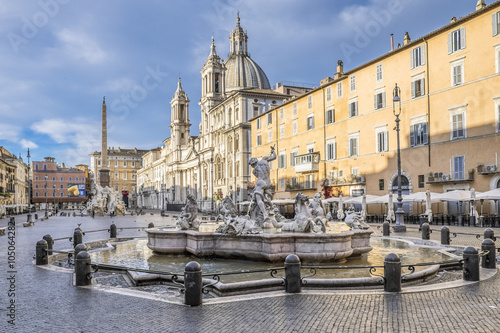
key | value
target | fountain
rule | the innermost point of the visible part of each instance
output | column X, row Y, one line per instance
column 262, row 234
column 105, row 201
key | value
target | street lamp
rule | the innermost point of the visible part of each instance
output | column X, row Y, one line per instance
column 212, row 189
column 29, row 188
column 46, row 205
column 400, row 227
column 54, row 195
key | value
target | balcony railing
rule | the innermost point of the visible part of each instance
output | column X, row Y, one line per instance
column 439, row 178
column 307, row 162
column 353, row 180
column 307, row 185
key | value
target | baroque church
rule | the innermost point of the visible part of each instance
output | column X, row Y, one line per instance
column 215, row 163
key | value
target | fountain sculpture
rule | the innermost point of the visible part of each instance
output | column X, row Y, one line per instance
column 105, row 201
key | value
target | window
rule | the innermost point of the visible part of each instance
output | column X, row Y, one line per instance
column 45, row 194
column 269, row 118
column 330, row 150
column 282, row 131
column 380, row 73
column 36, row 185
column 456, row 40
column 36, row 194
column 458, row 125
column 381, row 184
column 458, row 167
column 309, row 181
column 457, row 73
column 418, row 88
column 83, row 179
column 70, row 179
column 355, row 172
column 382, row 140
column 259, row 140
column 255, row 111
column 294, row 108
column 293, row 154
column 329, row 94
column 310, row 122
column 62, row 186
column 353, row 109
column 61, row 194
column 36, row 166
column 421, row 181
column 379, row 100
column 309, row 102
column 116, row 187
column 496, row 23
column 418, row 134
column 45, row 167
column 330, row 116
column 282, row 160
column 133, row 163
column 339, row 89
column 295, row 181
column 417, row 57
column 282, row 182
column 116, row 164
column 76, row 179
column 497, row 58
column 353, row 145
column 258, row 123
column 295, row 127
column 62, row 179
column 353, row 83
column 99, row 163
column 124, row 163
column 269, row 136
column 36, row 178
column 282, row 114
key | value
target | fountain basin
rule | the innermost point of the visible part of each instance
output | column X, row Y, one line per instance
column 263, row 247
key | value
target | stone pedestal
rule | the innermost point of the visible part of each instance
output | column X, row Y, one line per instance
column 104, row 177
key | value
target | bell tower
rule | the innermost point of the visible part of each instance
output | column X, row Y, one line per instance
column 179, row 125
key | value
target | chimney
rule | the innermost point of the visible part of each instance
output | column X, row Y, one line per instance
column 340, row 70
column 392, row 42
column 480, row 5
column 407, row 39
column 453, row 19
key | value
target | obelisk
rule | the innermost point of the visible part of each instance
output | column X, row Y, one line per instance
column 104, row 177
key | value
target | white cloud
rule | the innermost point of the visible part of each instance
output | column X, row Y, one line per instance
column 78, row 45
column 9, row 132
column 27, row 144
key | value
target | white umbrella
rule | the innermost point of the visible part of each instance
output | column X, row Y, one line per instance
column 359, row 200
column 391, row 217
column 456, row 195
column 489, row 195
column 333, row 199
column 340, row 211
column 283, row 202
column 383, row 199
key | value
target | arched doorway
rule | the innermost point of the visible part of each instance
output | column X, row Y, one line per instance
column 405, row 189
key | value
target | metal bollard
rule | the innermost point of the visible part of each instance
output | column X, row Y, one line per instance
column 112, row 231
column 50, row 242
column 83, row 273
column 41, row 252
column 292, row 274
column 28, row 218
column 36, row 216
column 471, row 264
column 151, row 225
column 489, row 260
column 426, row 232
column 392, row 273
column 77, row 237
column 386, row 228
column 79, row 248
column 489, row 233
column 193, row 284
column 445, row 235
column 12, row 220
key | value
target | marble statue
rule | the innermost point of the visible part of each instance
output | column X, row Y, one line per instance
column 352, row 218
column 304, row 220
column 188, row 219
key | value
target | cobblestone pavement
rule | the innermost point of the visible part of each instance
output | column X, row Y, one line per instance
column 46, row 300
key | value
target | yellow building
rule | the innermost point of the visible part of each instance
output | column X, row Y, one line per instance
column 342, row 133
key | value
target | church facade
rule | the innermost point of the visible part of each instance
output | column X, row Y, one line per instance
column 215, row 163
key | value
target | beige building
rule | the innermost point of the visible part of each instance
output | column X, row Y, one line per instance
column 342, row 134
column 216, row 161
column 123, row 165
column 14, row 190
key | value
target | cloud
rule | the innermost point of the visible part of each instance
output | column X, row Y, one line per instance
column 27, row 144
column 9, row 132
column 80, row 46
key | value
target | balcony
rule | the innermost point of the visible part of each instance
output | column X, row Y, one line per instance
column 349, row 181
column 489, row 169
column 307, row 163
column 440, row 178
column 307, row 185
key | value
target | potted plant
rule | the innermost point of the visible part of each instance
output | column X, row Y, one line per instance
column 471, row 173
column 430, row 177
column 480, row 167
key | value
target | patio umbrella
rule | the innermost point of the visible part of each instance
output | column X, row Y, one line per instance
column 363, row 208
column 391, row 217
column 489, row 195
column 340, row 211
column 455, row 195
column 283, row 202
column 359, row 200
column 428, row 210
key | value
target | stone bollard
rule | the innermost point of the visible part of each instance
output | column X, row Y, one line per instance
column 36, row 216
column 151, row 225
column 41, row 252
column 392, row 273
column 426, row 231
column 471, row 264
column 193, row 284
column 83, row 275
column 445, row 235
column 79, row 248
column 488, row 260
column 112, row 231
column 162, row 213
column 28, row 218
column 292, row 274
column 386, row 228
column 77, row 237
column 489, row 233
column 50, row 242
column 12, row 220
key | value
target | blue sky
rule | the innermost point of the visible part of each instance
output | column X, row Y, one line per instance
column 60, row 57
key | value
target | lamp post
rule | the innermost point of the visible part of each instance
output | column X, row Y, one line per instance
column 400, row 227
column 54, row 195
column 28, row 217
column 212, row 189
column 46, row 205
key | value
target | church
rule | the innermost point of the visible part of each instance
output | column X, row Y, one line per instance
column 215, row 163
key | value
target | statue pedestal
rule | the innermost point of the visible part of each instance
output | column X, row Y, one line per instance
column 104, row 177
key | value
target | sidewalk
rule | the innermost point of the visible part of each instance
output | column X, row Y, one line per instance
column 47, row 301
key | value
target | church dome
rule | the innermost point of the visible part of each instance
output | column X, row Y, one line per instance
column 241, row 71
